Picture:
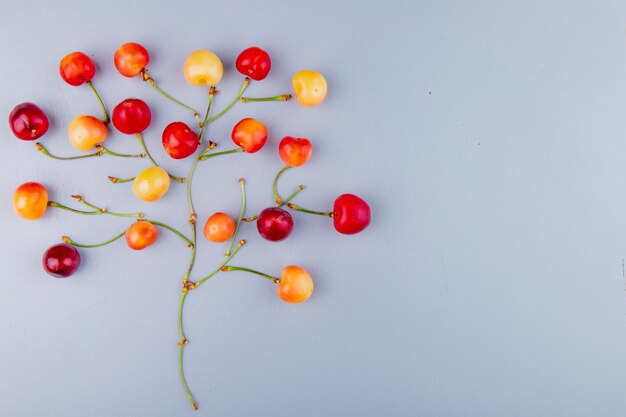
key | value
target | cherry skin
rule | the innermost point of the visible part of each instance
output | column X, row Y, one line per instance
column 30, row 200
column 28, row 122
column 179, row 141
column 274, row 224
column 309, row 87
column 249, row 134
column 86, row 131
column 203, row 67
column 351, row 214
column 219, row 227
column 254, row 62
column 77, row 68
column 130, row 59
column 61, row 261
column 296, row 285
column 132, row 116
column 140, row 235
column 151, row 184
column 295, row 152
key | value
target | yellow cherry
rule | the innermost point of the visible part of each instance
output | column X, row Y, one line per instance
column 151, row 184
column 203, row 67
column 309, row 87
column 85, row 132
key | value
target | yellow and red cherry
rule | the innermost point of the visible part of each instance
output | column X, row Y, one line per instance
column 296, row 285
column 179, row 141
column 295, row 152
column 309, row 87
column 151, row 184
column 274, row 224
column 141, row 234
column 254, row 62
column 30, row 200
column 61, row 261
column 203, row 67
column 219, row 227
column 130, row 59
column 132, row 116
column 28, row 122
column 249, row 134
column 85, row 132
column 351, row 214
column 77, row 68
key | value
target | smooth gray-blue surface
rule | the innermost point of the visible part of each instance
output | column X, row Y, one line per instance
column 489, row 138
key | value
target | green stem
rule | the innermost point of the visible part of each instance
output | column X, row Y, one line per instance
column 147, row 153
column 67, row 239
column 150, row 80
column 105, row 211
column 204, row 157
column 206, row 115
column 241, row 212
column 252, row 271
column 276, row 196
column 295, row 193
column 105, row 118
column 116, row 180
column 189, row 243
column 181, row 346
column 44, row 151
column 223, row 264
column 250, row 219
column 246, row 82
column 61, row 206
column 282, row 97
column 319, row 213
column 105, row 151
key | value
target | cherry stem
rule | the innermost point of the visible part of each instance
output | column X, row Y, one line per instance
column 44, row 151
column 67, row 239
column 252, row 271
column 145, row 149
column 105, row 118
column 250, row 219
column 150, row 80
column 116, row 180
column 246, row 82
column 282, row 97
column 61, row 206
column 181, row 345
column 171, row 229
column 276, row 196
column 223, row 264
column 295, row 193
column 302, row 209
column 242, row 182
column 206, row 115
column 204, row 157
column 105, row 151
column 104, row 210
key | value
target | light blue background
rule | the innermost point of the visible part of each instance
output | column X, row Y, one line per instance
column 489, row 138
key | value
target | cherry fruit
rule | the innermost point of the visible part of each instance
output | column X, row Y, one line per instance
column 151, row 184
column 132, row 116
column 30, row 200
column 141, row 234
column 309, row 87
column 249, row 134
column 130, row 59
column 351, row 214
column 77, row 68
column 203, row 67
column 296, row 285
column 85, row 132
column 254, row 62
column 295, row 152
column 219, row 227
column 274, row 224
column 61, row 261
column 179, row 141
column 28, row 122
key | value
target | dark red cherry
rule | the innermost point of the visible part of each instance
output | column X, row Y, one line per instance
column 179, row 141
column 61, row 260
column 254, row 62
column 350, row 214
column 132, row 116
column 77, row 68
column 28, row 122
column 274, row 224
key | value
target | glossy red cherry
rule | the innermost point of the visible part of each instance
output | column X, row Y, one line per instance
column 249, row 134
column 254, row 62
column 274, row 224
column 350, row 214
column 130, row 59
column 132, row 116
column 295, row 152
column 77, row 68
column 61, row 260
column 179, row 141
column 28, row 122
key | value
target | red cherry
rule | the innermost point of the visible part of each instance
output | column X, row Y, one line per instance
column 61, row 260
column 28, row 122
column 132, row 116
column 274, row 224
column 130, row 59
column 250, row 134
column 77, row 68
column 350, row 214
column 294, row 151
column 254, row 62
column 179, row 140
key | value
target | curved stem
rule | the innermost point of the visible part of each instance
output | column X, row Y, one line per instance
column 302, row 209
column 223, row 264
column 206, row 115
column 171, row 229
column 61, row 206
column 204, row 157
column 147, row 153
column 282, row 97
column 102, row 210
column 295, row 193
column 252, row 271
column 67, row 239
column 150, row 80
column 105, row 151
column 44, row 151
column 181, row 346
column 116, row 180
column 241, row 212
column 105, row 118
column 246, row 82
column 276, row 196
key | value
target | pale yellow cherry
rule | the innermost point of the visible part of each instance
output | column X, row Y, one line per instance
column 85, row 132
column 151, row 184
column 203, row 67
column 309, row 87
